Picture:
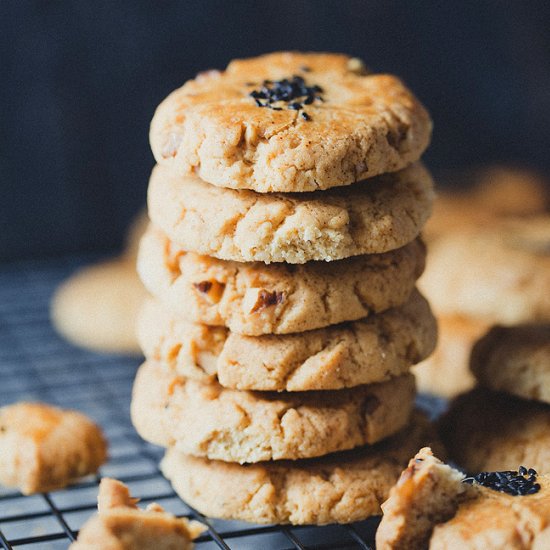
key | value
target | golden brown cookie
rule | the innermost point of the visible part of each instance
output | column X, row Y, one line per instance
column 342, row 487
column 246, row 226
column 515, row 360
column 242, row 426
column 497, row 192
column 254, row 299
column 446, row 371
column 356, row 125
column 121, row 525
column 97, row 307
column 427, row 493
column 43, row 448
column 432, row 507
column 501, row 274
column 362, row 352
column 485, row 430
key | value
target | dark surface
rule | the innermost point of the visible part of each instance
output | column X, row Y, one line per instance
column 80, row 81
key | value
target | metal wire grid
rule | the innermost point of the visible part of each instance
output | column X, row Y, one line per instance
column 35, row 364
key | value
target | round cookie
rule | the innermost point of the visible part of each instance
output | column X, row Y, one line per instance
column 245, row 226
column 356, row 126
column 515, row 360
column 342, row 487
column 257, row 299
column 507, row 278
column 446, row 371
column 97, row 307
column 239, row 426
column 497, row 193
column 488, row 431
column 362, row 352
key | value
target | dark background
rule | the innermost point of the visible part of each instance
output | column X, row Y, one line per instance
column 80, row 81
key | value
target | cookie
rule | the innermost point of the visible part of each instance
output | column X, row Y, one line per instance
column 446, row 372
column 434, row 507
column 515, row 360
column 97, row 307
column 343, row 487
column 245, row 226
column 500, row 274
column 257, row 299
column 485, row 430
column 239, row 426
column 43, row 448
column 333, row 125
column 427, row 493
column 497, row 193
column 363, row 352
column 120, row 524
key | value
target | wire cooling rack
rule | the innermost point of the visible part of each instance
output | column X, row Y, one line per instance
column 35, row 364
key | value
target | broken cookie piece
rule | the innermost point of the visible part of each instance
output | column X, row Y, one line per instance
column 435, row 507
column 121, row 525
column 43, row 448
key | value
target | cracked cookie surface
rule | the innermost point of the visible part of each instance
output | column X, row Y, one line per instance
column 362, row 352
column 365, row 124
column 246, row 226
column 243, row 426
column 223, row 293
column 343, row 487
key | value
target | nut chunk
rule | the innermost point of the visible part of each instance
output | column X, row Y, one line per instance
column 43, row 448
column 121, row 525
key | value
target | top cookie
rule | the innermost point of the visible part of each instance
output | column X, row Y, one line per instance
column 290, row 122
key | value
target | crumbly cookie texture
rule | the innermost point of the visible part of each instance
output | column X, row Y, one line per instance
column 485, row 430
column 246, row 226
column 511, row 259
column 121, row 525
column 43, row 448
column 254, row 299
column 515, row 360
column 97, row 307
column 490, row 520
column 364, row 125
column 239, row 426
column 427, row 493
column 362, row 352
column 431, row 508
column 446, row 371
column 342, row 487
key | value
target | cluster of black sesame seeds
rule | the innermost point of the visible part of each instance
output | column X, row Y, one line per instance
column 292, row 93
column 516, row 483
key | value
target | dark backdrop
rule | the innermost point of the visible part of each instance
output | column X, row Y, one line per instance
column 80, row 81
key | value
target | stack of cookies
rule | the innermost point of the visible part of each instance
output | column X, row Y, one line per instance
column 286, row 208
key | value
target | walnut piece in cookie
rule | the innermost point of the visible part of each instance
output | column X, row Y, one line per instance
column 121, row 525
column 43, row 448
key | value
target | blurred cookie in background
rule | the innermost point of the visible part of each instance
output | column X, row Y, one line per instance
column 497, row 192
column 97, row 307
column 499, row 273
column 446, row 371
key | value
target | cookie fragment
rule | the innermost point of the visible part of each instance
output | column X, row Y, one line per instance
column 120, row 524
column 43, row 448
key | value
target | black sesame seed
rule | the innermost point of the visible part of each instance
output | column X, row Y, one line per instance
column 305, row 69
column 296, row 106
column 259, row 103
column 510, row 482
column 305, row 116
